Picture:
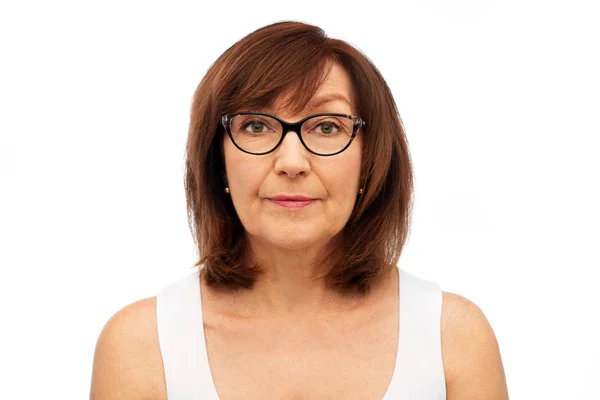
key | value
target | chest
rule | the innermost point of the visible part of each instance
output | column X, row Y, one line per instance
column 350, row 358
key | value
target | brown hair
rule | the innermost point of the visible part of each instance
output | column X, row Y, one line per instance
column 291, row 57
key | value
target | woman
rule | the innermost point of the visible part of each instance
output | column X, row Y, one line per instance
column 299, row 188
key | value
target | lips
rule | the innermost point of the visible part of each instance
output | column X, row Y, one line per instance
column 293, row 202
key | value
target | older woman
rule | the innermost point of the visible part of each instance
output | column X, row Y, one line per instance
column 299, row 188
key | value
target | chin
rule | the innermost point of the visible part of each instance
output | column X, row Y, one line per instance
column 293, row 239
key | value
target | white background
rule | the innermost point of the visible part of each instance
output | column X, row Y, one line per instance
column 500, row 100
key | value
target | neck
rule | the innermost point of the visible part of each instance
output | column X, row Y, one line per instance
column 292, row 282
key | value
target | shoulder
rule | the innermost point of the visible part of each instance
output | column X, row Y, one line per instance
column 470, row 352
column 127, row 359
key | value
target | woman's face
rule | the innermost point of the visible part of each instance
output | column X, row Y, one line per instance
column 258, row 184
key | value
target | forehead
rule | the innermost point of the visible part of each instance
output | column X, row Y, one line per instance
column 335, row 94
column 338, row 80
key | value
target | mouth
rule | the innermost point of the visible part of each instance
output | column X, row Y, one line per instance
column 292, row 202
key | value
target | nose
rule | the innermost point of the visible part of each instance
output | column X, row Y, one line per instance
column 291, row 158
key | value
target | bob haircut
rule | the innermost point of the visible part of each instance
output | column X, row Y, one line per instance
column 291, row 57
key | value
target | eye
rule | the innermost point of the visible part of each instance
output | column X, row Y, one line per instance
column 256, row 126
column 328, row 127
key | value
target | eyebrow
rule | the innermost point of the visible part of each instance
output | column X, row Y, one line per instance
column 319, row 101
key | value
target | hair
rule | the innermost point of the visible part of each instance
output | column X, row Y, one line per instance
column 292, row 57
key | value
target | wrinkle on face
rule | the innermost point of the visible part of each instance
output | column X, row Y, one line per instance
column 334, row 179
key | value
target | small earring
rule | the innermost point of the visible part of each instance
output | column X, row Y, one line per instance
column 226, row 189
column 361, row 191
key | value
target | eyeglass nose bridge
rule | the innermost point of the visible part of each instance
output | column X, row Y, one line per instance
column 295, row 127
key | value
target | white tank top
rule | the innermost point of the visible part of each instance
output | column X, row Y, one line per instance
column 419, row 372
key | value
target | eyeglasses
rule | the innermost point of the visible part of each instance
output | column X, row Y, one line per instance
column 321, row 134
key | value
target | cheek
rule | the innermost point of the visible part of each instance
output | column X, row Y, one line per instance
column 342, row 180
column 350, row 166
column 245, row 175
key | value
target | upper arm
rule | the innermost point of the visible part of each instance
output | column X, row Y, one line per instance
column 127, row 360
column 471, row 355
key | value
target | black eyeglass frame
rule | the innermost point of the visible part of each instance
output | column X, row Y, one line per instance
column 296, row 127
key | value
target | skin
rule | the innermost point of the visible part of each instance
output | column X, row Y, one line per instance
column 324, row 331
column 288, row 242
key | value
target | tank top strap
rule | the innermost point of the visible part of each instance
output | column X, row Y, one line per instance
column 419, row 371
column 181, row 339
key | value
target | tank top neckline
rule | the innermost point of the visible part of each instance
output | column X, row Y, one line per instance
column 209, row 377
column 418, row 368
